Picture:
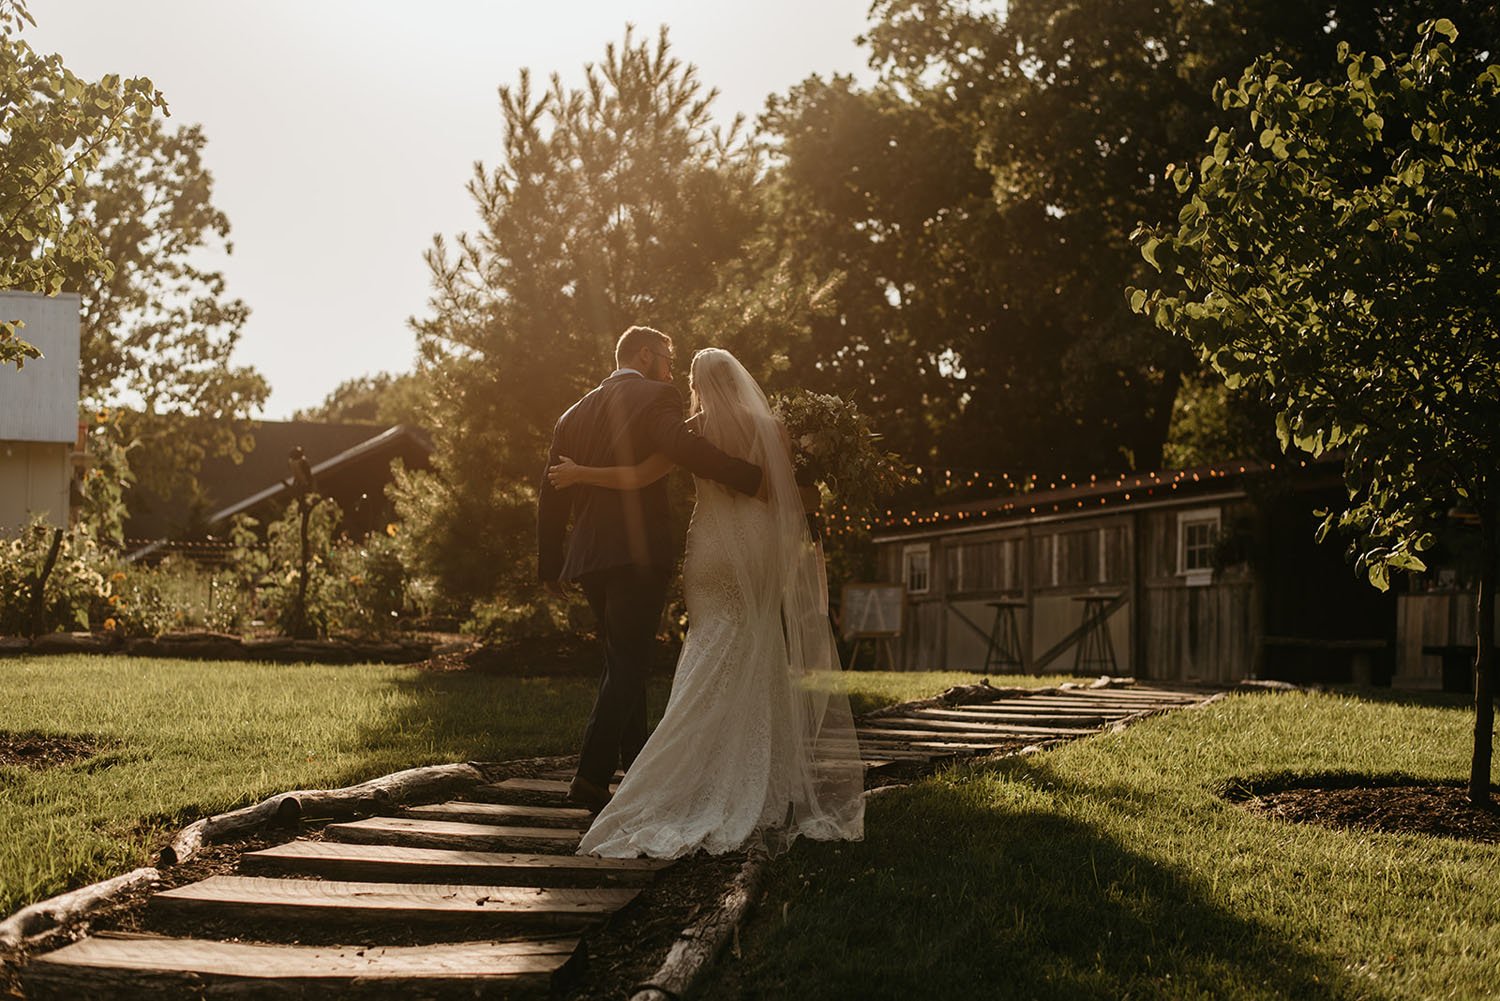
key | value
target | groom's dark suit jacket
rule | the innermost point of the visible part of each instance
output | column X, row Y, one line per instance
column 627, row 418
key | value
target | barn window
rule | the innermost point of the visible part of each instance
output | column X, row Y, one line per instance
column 917, row 568
column 1197, row 533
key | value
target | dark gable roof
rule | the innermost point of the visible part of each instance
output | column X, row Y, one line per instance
column 229, row 487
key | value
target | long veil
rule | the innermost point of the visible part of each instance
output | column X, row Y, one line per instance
column 823, row 797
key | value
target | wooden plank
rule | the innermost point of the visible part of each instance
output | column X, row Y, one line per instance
column 524, row 815
column 391, row 863
column 1069, row 705
column 966, row 720
column 254, row 898
column 943, row 719
column 415, row 833
column 893, row 754
column 118, row 965
column 1138, row 694
column 947, row 747
column 1022, row 701
column 525, row 790
column 972, row 735
column 1015, row 729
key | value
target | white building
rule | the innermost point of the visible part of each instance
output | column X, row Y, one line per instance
column 39, row 411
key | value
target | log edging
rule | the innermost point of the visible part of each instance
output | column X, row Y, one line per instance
column 44, row 916
column 699, row 944
column 38, row 919
column 290, row 807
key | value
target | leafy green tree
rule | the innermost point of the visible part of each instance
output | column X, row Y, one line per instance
column 102, row 198
column 979, row 201
column 614, row 204
column 1336, row 249
column 54, row 129
column 159, row 329
column 879, row 197
column 1212, row 423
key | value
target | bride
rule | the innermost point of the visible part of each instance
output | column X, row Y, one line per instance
column 757, row 741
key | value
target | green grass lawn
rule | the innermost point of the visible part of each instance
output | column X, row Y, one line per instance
column 187, row 739
column 1112, row 868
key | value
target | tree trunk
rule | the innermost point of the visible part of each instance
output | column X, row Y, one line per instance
column 1484, row 659
column 299, row 619
column 39, row 586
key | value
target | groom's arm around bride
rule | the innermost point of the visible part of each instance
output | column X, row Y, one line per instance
column 633, row 414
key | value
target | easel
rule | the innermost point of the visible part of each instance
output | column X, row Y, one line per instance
column 872, row 614
column 877, row 643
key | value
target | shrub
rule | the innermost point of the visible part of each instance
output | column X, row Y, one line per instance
column 76, row 590
column 178, row 594
column 353, row 586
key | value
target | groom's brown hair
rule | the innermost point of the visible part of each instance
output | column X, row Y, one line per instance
column 631, row 341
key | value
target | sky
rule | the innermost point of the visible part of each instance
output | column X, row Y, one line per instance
column 341, row 133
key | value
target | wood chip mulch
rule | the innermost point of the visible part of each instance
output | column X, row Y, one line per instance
column 1437, row 810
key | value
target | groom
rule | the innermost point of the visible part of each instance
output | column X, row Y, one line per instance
column 621, row 549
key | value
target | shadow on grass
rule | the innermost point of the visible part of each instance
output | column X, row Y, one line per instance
column 977, row 889
column 474, row 716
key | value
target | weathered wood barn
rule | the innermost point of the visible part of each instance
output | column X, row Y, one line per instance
column 1207, row 574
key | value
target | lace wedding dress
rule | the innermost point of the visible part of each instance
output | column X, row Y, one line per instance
column 757, row 741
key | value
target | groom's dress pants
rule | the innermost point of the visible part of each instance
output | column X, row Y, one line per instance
column 627, row 603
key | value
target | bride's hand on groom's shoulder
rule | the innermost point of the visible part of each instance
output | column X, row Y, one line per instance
column 565, row 473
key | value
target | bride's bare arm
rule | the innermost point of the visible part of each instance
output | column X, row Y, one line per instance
column 567, row 472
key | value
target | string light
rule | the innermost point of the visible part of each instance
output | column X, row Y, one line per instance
column 1128, row 486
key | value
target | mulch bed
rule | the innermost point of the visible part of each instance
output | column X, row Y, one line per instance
column 1402, row 807
column 553, row 655
column 40, row 750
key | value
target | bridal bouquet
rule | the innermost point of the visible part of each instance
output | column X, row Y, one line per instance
column 833, row 445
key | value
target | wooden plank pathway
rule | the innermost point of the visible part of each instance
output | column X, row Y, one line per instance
column 929, row 734
column 490, row 881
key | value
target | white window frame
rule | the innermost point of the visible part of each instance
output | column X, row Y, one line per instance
column 1203, row 575
column 909, row 564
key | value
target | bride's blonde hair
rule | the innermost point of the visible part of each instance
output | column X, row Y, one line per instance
column 729, row 400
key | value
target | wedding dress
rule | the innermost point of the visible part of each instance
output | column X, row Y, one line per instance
column 757, row 741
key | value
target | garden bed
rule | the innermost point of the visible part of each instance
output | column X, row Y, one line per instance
column 226, row 646
column 1390, row 804
column 44, row 750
